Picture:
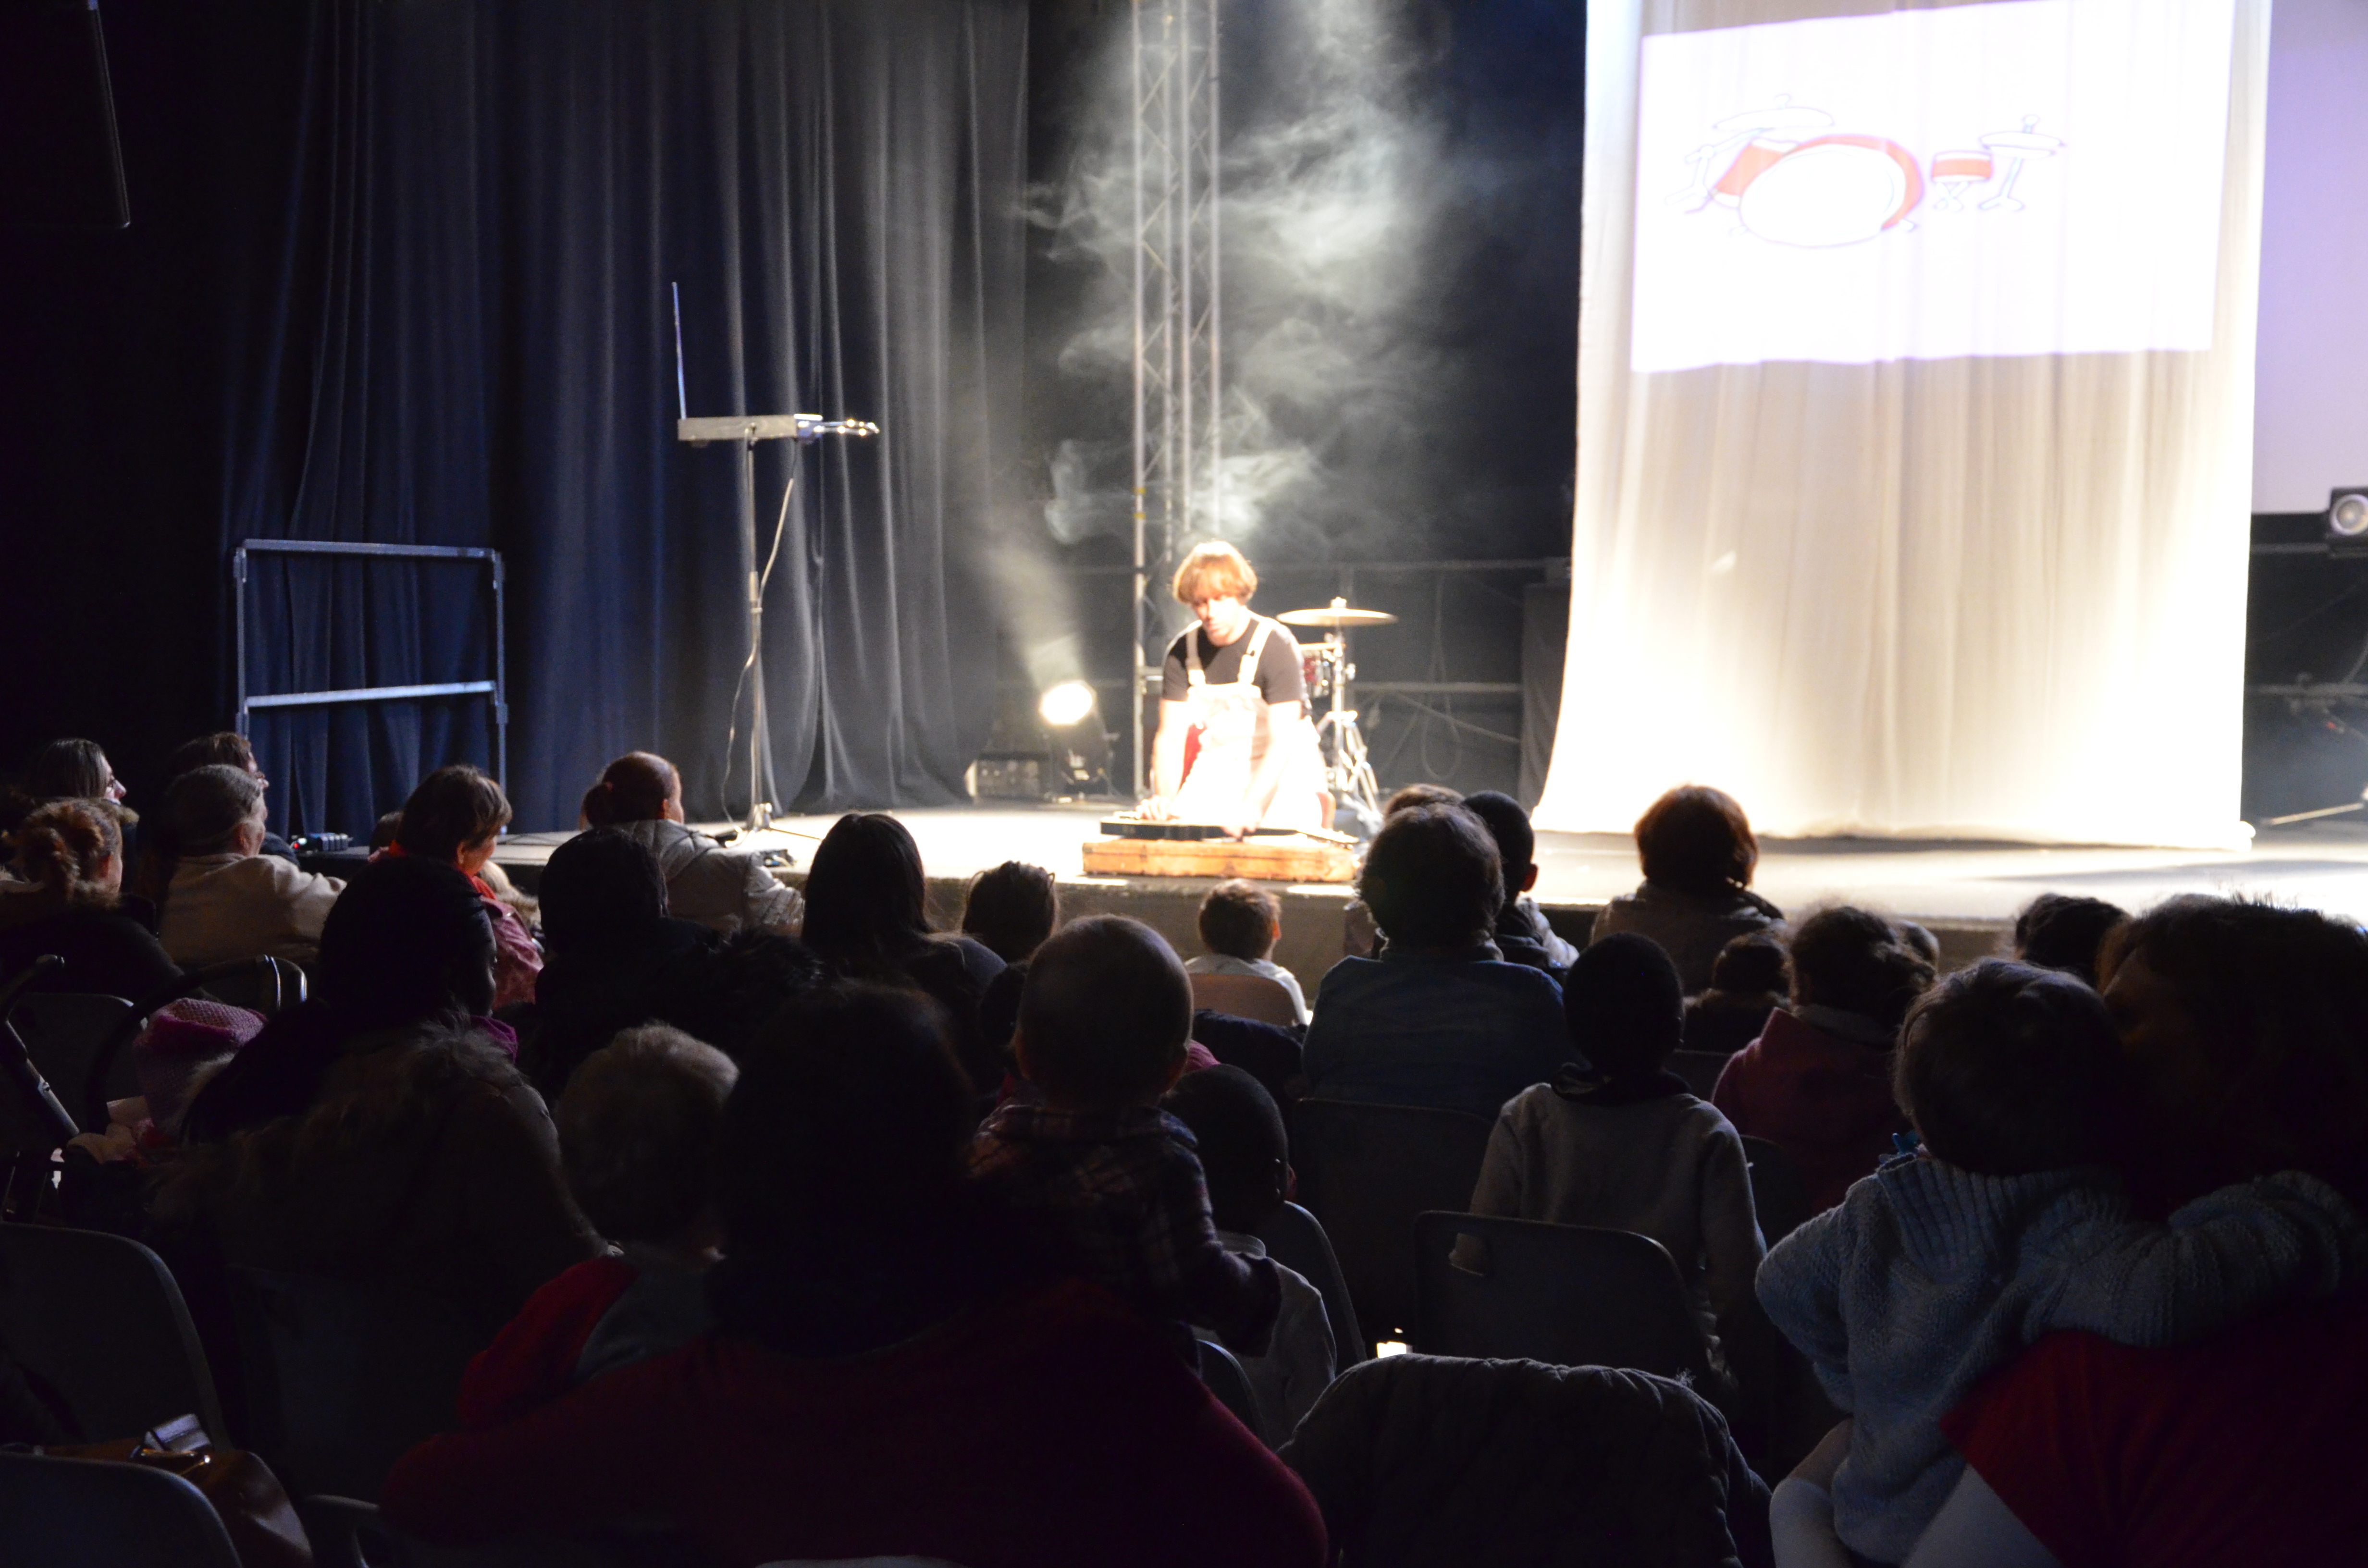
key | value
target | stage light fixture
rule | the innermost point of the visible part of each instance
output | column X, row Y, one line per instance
column 1066, row 704
column 2347, row 520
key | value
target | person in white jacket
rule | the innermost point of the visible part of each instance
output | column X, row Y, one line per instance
column 227, row 900
column 723, row 889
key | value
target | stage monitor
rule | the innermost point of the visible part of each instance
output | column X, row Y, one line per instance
column 61, row 164
column 2029, row 178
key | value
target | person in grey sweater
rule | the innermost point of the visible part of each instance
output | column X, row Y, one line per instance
column 1622, row 1145
column 2009, row 1223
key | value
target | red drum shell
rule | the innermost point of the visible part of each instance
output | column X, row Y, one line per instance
column 1749, row 165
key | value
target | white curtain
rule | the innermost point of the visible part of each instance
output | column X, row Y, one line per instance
column 1939, row 531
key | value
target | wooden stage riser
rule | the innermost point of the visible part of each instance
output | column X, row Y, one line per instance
column 1313, row 917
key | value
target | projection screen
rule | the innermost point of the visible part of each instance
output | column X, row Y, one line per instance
column 1915, row 431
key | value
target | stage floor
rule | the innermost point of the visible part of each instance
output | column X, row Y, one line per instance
column 2319, row 865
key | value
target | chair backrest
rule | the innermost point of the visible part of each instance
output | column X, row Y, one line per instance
column 1252, row 997
column 1223, row 1375
column 1778, row 1195
column 341, row 1379
column 94, row 1513
column 1567, row 1295
column 63, row 1033
column 1366, row 1171
column 100, row 1319
column 1295, row 1239
column 1700, row 1069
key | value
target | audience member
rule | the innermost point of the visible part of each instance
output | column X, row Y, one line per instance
column 1010, row 909
column 1409, row 796
column 226, row 748
column 1522, row 934
column 868, row 918
column 2247, row 1028
column 724, row 890
column 72, row 770
column 2063, row 931
column 1359, row 938
column 2008, row 1224
column 227, row 899
column 891, row 1372
column 1440, row 1018
column 1698, row 854
column 1245, row 1155
column 1748, row 982
column 1817, row 1081
column 638, row 1132
column 618, row 959
column 380, row 1132
column 69, row 854
column 1621, row 1145
column 1240, row 923
column 1103, row 1023
column 383, row 831
column 611, row 939
column 455, row 817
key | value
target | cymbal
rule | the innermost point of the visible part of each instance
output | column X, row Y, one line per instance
column 1339, row 616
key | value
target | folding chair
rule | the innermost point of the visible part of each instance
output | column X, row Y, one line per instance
column 1567, row 1295
column 1366, row 1171
column 1700, row 1069
column 1295, row 1239
column 94, row 1513
column 100, row 1319
column 1226, row 1380
column 342, row 1379
column 1252, row 997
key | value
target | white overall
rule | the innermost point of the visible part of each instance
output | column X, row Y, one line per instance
column 1234, row 735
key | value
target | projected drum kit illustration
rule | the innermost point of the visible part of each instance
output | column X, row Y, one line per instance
column 1346, row 771
column 1790, row 180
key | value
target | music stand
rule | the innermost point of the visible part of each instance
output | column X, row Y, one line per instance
column 748, row 429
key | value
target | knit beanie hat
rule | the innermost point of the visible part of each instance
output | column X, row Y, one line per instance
column 184, row 1044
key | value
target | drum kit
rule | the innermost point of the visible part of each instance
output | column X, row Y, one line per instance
column 1328, row 671
column 1793, row 181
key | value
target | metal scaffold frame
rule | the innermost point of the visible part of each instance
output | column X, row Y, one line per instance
column 1177, row 475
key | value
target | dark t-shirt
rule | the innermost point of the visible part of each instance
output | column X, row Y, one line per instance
column 1279, row 677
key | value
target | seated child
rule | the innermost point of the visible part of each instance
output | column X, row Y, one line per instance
column 1623, row 1145
column 2007, row 1224
column 1747, row 982
column 1240, row 923
column 637, row 1131
column 1246, row 1156
column 1102, row 1024
column 1522, row 934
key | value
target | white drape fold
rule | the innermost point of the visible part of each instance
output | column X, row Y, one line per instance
column 1982, row 597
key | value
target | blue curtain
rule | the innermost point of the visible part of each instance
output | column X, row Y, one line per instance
column 453, row 326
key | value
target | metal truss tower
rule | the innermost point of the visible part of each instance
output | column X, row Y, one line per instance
column 1177, row 359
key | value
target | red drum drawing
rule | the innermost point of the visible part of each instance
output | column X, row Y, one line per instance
column 1756, row 159
column 1830, row 190
column 1968, row 168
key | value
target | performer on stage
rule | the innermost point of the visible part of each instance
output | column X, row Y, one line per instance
column 1234, row 745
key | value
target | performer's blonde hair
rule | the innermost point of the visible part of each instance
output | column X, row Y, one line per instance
column 1214, row 571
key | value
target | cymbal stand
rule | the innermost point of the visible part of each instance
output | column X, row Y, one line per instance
column 1346, row 771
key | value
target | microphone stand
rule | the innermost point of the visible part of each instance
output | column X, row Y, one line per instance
column 748, row 429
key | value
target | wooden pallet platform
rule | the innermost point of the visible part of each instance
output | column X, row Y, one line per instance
column 1270, row 860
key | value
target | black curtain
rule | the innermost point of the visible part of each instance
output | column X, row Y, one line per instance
column 453, row 328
